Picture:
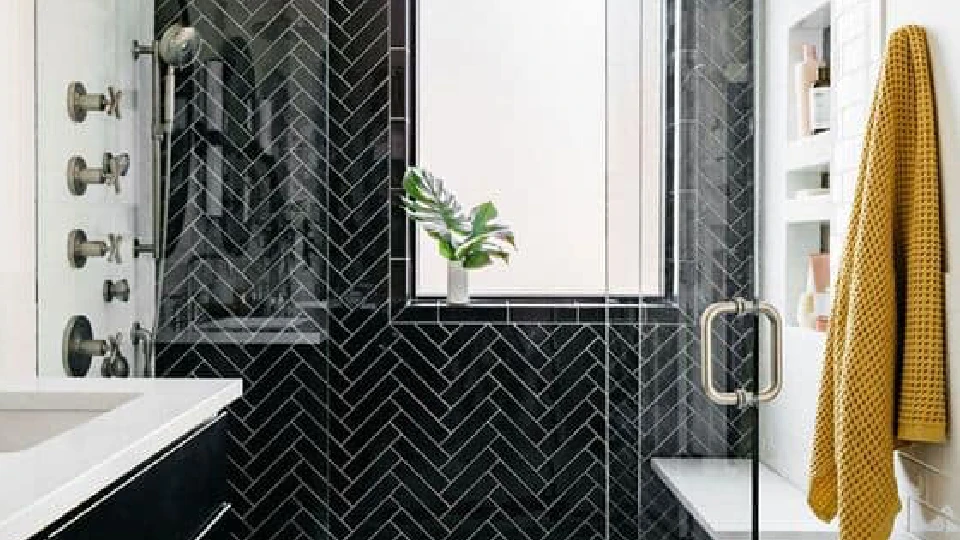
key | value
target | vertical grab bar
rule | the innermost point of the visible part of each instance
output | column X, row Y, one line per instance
column 741, row 397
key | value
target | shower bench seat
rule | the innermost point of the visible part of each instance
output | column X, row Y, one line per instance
column 717, row 493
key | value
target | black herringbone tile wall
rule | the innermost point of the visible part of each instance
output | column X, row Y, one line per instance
column 357, row 426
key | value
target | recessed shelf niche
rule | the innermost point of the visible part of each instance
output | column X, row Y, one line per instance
column 813, row 28
column 807, row 200
column 803, row 239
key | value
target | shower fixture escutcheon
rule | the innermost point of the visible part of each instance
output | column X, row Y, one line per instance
column 79, row 102
column 79, row 348
column 79, row 176
column 79, row 249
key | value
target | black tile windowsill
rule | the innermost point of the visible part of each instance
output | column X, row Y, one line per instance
column 536, row 311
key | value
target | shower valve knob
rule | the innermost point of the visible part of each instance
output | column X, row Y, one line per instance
column 112, row 103
column 116, row 290
column 115, row 166
column 79, row 348
column 114, row 362
column 118, row 164
column 79, row 176
column 113, row 248
column 79, row 102
column 79, row 249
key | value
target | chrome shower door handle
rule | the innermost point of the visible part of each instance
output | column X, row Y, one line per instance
column 726, row 399
column 741, row 397
column 775, row 384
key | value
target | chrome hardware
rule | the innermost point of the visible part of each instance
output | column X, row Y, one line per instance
column 178, row 46
column 79, row 248
column 115, row 166
column 79, row 102
column 79, row 175
column 140, row 248
column 142, row 339
column 139, row 48
column 116, row 290
column 79, row 348
column 114, row 362
column 742, row 397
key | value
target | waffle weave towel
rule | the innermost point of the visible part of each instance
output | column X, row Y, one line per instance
column 883, row 378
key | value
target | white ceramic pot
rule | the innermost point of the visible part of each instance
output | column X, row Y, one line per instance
column 457, row 289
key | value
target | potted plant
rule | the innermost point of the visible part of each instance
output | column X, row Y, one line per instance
column 466, row 241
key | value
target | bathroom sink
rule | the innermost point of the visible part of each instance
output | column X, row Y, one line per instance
column 28, row 418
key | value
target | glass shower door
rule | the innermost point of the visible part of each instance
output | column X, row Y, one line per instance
column 705, row 431
column 707, row 357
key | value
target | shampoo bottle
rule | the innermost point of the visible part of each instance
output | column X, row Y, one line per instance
column 820, row 102
column 805, row 77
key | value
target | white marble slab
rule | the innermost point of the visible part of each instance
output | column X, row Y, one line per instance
column 717, row 492
column 44, row 475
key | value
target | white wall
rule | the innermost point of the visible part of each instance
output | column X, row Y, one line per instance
column 105, row 46
column 100, row 33
column 929, row 476
column 787, row 424
column 18, row 316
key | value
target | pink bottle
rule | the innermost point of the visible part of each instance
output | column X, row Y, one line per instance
column 805, row 76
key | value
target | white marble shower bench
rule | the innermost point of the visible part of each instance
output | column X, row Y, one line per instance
column 717, row 493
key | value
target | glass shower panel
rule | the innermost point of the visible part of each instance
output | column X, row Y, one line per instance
column 697, row 458
column 247, row 286
column 246, row 224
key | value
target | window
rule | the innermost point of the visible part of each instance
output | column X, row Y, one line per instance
column 551, row 109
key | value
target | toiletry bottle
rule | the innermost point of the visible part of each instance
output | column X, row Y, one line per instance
column 820, row 102
column 805, row 77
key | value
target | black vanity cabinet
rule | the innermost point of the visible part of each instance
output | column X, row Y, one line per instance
column 178, row 494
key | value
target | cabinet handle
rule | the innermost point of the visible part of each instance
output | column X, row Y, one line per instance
column 212, row 522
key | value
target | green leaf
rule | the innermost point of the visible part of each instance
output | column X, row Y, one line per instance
column 481, row 215
column 474, row 239
column 477, row 260
column 411, row 184
column 502, row 255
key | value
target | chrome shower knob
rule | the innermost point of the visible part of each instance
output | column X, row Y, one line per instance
column 112, row 103
column 79, row 176
column 79, row 102
column 114, row 362
column 79, row 348
column 113, row 248
column 115, row 166
column 116, row 290
column 79, row 249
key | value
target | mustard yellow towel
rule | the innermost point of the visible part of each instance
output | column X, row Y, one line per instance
column 885, row 345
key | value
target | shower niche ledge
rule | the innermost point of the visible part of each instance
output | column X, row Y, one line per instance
column 717, row 493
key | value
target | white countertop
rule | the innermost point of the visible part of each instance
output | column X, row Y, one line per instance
column 40, row 483
column 718, row 493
